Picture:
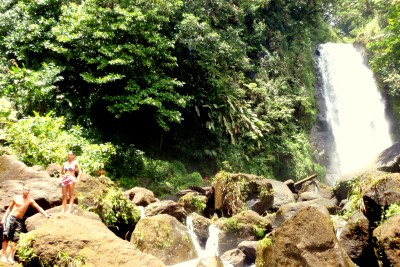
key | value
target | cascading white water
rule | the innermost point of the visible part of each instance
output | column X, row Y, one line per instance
column 355, row 109
column 210, row 250
column 142, row 213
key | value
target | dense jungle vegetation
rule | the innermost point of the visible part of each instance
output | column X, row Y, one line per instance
column 164, row 93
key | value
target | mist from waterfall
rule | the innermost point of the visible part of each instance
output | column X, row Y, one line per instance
column 355, row 109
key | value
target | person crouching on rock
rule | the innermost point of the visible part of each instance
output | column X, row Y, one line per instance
column 13, row 219
column 69, row 172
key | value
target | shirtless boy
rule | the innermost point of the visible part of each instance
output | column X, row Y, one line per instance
column 12, row 220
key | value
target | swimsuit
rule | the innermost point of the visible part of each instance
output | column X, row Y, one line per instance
column 13, row 228
column 68, row 178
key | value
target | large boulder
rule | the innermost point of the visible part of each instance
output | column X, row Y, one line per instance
column 193, row 202
column 13, row 169
column 305, row 239
column 379, row 190
column 355, row 238
column 89, row 189
column 318, row 188
column 36, row 221
column 235, row 257
column 140, row 196
column 282, row 194
column 165, row 237
column 166, row 207
column 387, row 242
column 87, row 240
column 288, row 210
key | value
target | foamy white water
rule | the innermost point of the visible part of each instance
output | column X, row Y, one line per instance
column 210, row 250
column 142, row 214
column 355, row 108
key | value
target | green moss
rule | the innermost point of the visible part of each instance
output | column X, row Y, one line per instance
column 232, row 224
column 265, row 242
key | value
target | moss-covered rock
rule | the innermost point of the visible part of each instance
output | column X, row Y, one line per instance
column 164, row 237
column 236, row 192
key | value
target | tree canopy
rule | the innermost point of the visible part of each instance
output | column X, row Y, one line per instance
column 222, row 82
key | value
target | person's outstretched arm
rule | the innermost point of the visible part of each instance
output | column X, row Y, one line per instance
column 39, row 209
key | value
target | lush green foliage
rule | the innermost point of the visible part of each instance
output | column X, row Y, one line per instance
column 160, row 176
column 43, row 140
column 115, row 209
column 193, row 80
column 24, row 249
column 392, row 210
column 386, row 51
column 7, row 115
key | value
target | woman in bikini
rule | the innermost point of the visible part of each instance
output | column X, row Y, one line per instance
column 69, row 178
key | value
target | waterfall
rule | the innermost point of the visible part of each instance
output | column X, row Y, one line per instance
column 189, row 225
column 354, row 110
column 142, row 214
column 212, row 241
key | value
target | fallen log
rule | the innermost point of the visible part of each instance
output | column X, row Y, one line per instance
column 305, row 179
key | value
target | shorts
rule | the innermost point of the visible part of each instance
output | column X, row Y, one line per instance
column 13, row 228
column 67, row 180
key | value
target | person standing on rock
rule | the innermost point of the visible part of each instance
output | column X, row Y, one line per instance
column 71, row 172
column 13, row 219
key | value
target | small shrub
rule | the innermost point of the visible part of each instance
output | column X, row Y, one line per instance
column 259, row 232
column 199, row 204
column 24, row 249
column 392, row 210
column 65, row 260
column 232, row 225
column 115, row 209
